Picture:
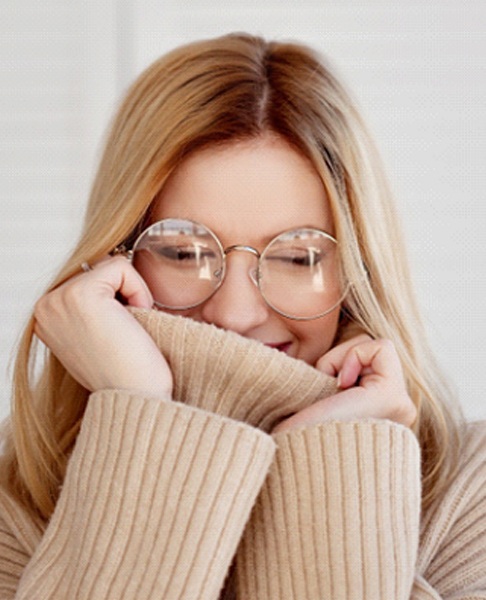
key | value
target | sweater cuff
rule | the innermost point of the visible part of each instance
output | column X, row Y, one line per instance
column 153, row 505
column 338, row 516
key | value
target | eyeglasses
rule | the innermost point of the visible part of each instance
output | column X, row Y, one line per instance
column 183, row 263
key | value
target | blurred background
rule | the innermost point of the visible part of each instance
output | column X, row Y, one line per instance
column 416, row 69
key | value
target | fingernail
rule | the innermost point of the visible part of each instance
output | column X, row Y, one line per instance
column 339, row 379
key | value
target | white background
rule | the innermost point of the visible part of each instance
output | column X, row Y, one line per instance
column 417, row 69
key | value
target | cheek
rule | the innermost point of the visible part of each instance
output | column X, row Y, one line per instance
column 316, row 337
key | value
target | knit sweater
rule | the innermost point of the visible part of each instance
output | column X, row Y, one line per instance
column 163, row 497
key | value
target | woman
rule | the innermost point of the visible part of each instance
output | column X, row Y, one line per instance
column 246, row 407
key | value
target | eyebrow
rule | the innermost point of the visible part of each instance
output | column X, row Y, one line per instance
column 265, row 240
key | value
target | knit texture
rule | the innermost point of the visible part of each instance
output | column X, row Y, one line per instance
column 351, row 530
column 225, row 373
column 154, row 503
column 162, row 498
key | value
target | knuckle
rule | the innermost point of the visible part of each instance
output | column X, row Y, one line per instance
column 363, row 336
column 70, row 294
column 37, row 329
column 120, row 261
column 40, row 307
column 350, row 344
column 56, row 301
column 43, row 307
column 41, row 314
column 39, row 311
column 386, row 344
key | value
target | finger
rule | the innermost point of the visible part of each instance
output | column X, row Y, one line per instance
column 369, row 360
column 117, row 275
column 87, row 267
column 332, row 361
column 345, row 406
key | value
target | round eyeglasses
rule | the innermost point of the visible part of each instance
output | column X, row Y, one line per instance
column 183, row 263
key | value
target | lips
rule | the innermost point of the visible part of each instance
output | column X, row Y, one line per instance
column 283, row 347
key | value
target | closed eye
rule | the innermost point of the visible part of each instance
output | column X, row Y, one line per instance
column 184, row 254
column 299, row 258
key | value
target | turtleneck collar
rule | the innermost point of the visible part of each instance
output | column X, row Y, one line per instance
column 223, row 372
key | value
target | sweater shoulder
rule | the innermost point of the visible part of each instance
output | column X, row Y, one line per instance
column 473, row 447
column 466, row 491
column 19, row 530
column 469, row 481
column 452, row 550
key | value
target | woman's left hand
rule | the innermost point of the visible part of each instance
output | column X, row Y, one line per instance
column 371, row 384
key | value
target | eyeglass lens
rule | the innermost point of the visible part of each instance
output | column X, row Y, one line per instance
column 183, row 264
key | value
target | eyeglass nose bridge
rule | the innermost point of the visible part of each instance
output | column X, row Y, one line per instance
column 254, row 272
column 241, row 248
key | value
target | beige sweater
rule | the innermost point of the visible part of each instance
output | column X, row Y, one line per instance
column 163, row 498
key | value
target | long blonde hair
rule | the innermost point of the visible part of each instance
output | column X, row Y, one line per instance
column 216, row 92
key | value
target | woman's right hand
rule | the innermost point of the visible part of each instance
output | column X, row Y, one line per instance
column 96, row 338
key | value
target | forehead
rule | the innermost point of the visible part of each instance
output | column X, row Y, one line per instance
column 248, row 191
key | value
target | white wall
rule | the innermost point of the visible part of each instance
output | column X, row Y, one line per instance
column 58, row 83
column 416, row 69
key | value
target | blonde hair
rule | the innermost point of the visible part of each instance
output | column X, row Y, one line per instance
column 217, row 92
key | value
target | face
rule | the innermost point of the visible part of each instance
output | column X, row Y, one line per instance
column 247, row 193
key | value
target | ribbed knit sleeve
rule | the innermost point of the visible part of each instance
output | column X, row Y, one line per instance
column 337, row 518
column 153, row 505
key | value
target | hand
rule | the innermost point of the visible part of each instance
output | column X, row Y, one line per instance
column 372, row 385
column 96, row 338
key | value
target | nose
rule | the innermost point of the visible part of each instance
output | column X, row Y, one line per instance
column 237, row 305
